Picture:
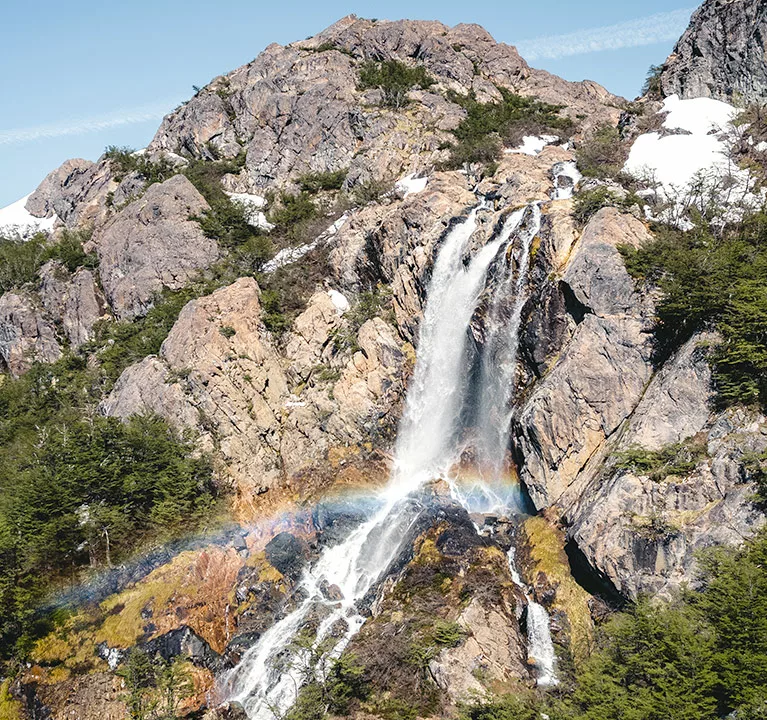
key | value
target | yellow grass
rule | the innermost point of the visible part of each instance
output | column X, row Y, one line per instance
column 548, row 556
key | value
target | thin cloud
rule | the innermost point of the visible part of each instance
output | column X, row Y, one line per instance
column 633, row 33
column 83, row 126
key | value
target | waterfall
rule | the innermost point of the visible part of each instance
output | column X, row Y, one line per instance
column 499, row 357
column 540, row 647
column 270, row 673
column 267, row 679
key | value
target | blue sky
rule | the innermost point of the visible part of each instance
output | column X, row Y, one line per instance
column 79, row 75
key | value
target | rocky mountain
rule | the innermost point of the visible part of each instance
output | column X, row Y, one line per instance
column 721, row 55
column 415, row 350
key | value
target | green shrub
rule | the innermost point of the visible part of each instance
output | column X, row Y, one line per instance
column 125, row 160
column 394, row 79
column 755, row 470
column 69, row 250
column 20, row 260
column 330, row 180
column 293, row 210
column 504, row 707
column 369, row 304
column 371, row 191
column 602, row 154
column 226, row 221
column 713, row 282
column 120, row 344
column 448, row 634
column 82, row 491
column 154, row 687
column 676, row 459
column 227, row 331
column 588, row 203
column 488, row 126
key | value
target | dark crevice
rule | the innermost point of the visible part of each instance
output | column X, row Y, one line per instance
column 590, row 579
column 575, row 308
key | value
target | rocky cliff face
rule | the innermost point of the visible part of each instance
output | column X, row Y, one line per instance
column 721, row 54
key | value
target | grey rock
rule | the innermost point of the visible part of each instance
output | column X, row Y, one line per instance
column 644, row 535
column 26, row 335
column 228, row 388
column 74, row 300
column 721, row 54
column 153, row 244
column 600, row 374
column 297, row 108
column 48, row 199
column 76, row 193
column 288, row 554
column 678, row 402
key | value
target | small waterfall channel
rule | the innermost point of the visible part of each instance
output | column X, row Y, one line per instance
column 270, row 673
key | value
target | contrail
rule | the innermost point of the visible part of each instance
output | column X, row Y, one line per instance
column 81, row 126
column 632, row 33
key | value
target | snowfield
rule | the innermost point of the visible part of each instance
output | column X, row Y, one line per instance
column 692, row 165
column 410, row 184
column 674, row 160
column 16, row 220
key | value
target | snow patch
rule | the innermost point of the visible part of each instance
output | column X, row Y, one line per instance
column 410, row 184
column 674, row 160
column 252, row 205
column 698, row 116
column 533, row 144
column 694, row 167
column 15, row 219
column 292, row 254
column 339, row 300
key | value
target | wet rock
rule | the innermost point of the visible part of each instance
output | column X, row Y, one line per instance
column 288, row 554
column 231, row 710
column 184, row 642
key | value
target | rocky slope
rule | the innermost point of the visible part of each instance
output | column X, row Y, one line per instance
column 721, row 54
column 290, row 418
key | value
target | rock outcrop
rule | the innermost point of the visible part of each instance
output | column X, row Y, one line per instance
column 153, row 244
column 721, row 54
column 594, row 393
column 601, row 371
column 643, row 533
column 298, row 108
column 26, row 335
column 73, row 299
column 218, row 375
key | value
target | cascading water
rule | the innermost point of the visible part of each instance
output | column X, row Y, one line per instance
column 267, row 679
column 423, row 451
column 540, row 647
column 499, row 357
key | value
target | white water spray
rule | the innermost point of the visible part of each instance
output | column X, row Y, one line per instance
column 499, row 358
column 264, row 682
column 540, row 647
